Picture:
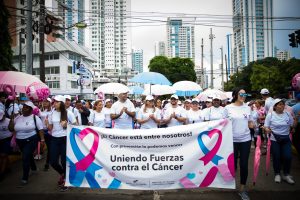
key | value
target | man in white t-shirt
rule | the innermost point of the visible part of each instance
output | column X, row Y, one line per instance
column 269, row 101
column 174, row 115
column 123, row 112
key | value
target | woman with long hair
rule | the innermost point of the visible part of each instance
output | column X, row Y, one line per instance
column 148, row 116
column 97, row 117
column 240, row 114
column 25, row 127
column 57, row 123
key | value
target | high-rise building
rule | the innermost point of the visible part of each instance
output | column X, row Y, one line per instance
column 252, row 31
column 283, row 55
column 180, row 38
column 110, row 37
column 137, row 60
column 160, row 48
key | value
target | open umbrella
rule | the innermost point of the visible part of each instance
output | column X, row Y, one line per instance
column 256, row 162
column 211, row 92
column 187, row 88
column 158, row 90
column 150, row 78
column 268, row 157
column 112, row 88
column 18, row 80
column 136, row 90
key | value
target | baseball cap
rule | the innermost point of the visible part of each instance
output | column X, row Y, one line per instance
column 49, row 99
column 264, row 91
column 59, row 98
column 215, row 96
column 107, row 100
column 67, row 96
column 30, row 104
column 195, row 100
column 188, row 100
column 209, row 100
column 276, row 101
column 174, row 96
column 149, row 98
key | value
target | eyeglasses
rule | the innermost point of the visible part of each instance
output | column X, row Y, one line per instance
column 243, row 94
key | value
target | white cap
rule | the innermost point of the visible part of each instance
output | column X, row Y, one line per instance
column 174, row 96
column 216, row 96
column 49, row 99
column 30, row 104
column 264, row 91
column 59, row 98
column 138, row 100
column 179, row 103
column 209, row 99
column 149, row 98
column 1, row 113
column 67, row 96
column 276, row 101
column 107, row 100
column 188, row 100
column 196, row 100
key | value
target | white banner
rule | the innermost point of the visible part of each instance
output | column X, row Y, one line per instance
column 188, row 156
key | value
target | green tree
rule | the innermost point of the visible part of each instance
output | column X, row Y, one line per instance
column 175, row 69
column 5, row 40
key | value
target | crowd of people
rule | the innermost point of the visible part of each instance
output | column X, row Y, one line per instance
column 38, row 124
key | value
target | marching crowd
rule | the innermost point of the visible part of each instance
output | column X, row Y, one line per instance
column 29, row 125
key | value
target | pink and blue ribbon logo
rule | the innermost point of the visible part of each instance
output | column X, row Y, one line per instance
column 210, row 155
column 85, row 167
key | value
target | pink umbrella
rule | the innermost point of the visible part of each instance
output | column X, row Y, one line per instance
column 268, row 158
column 19, row 81
column 256, row 159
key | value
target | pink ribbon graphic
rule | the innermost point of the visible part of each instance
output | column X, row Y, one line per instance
column 210, row 155
column 84, row 163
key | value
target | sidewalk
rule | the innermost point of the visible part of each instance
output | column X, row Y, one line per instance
column 43, row 185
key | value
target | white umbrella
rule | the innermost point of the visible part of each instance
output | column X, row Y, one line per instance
column 112, row 88
column 211, row 92
column 187, row 88
column 159, row 90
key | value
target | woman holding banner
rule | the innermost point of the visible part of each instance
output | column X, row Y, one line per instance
column 241, row 117
column 148, row 116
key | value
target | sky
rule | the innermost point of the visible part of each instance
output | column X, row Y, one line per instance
column 144, row 35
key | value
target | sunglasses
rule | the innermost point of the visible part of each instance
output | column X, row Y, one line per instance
column 244, row 94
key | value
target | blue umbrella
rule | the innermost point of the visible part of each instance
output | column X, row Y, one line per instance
column 150, row 78
column 136, row 90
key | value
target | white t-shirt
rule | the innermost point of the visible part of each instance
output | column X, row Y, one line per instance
column 54, row 119
column 11, row 107
column 213, row 113
column 75, row 113
column 124, row 121
column 179, row 112
column 97, row 118
column 269, row 102
column 44, row 115
column 4, row 132
column 194, row 116
column 240, row 116
column 145, row 115
column 107, row 112
column 25, row 127
column 279, row 123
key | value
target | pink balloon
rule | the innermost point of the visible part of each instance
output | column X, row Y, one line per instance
column 296, row 81
column 37, row 91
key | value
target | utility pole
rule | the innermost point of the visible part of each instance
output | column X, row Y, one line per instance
column 202, row 67
column 42, row 40
column 226, row 70
column 211, row 37
column 29, row 38
column 222, row 72
column 20, row 51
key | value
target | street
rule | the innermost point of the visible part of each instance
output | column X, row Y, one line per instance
column 43, row 185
